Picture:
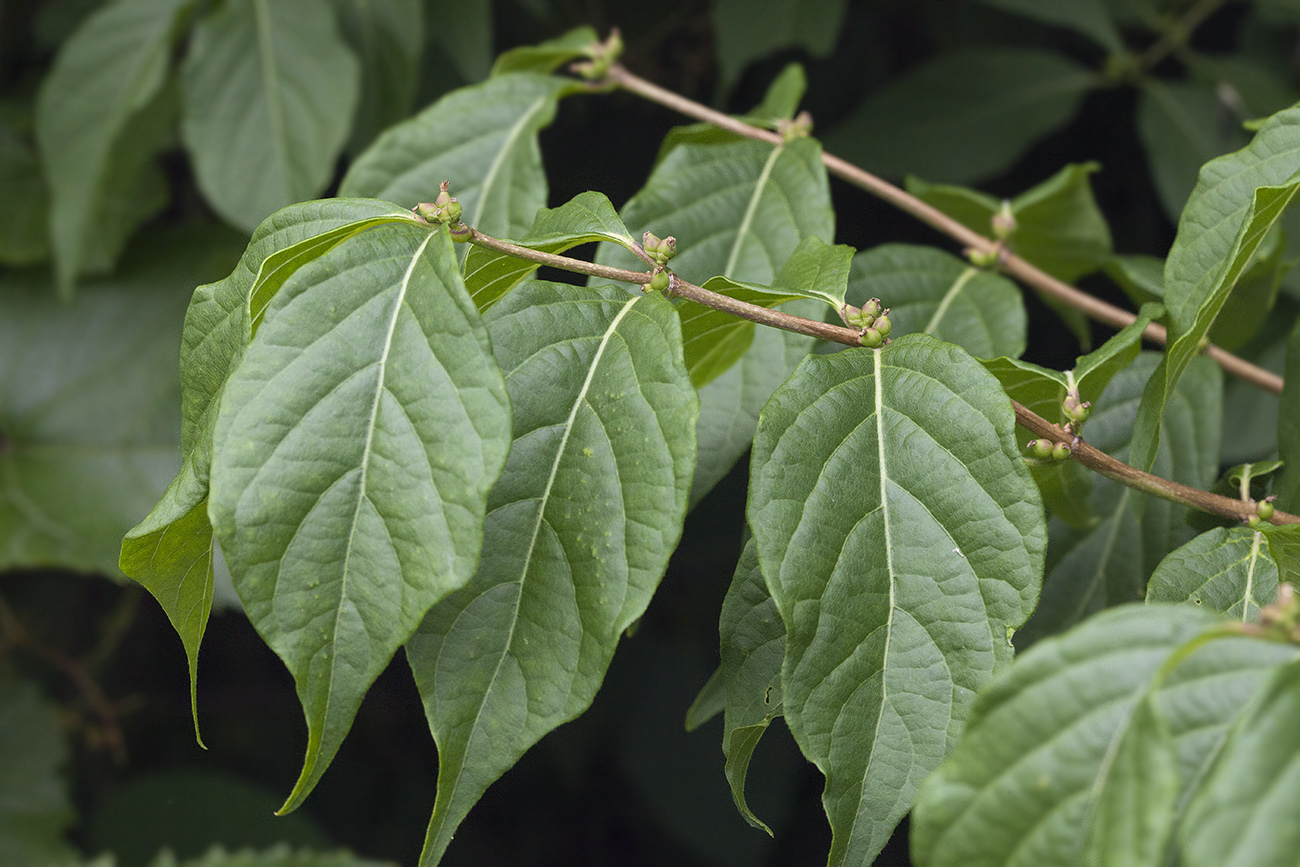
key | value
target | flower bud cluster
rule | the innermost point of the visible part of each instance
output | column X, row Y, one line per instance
column 1264, row 510
column 659, row 249
column 444, row 210
column 872, row 319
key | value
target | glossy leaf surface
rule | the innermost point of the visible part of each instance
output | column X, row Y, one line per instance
column 900, row 551
column 579, row 530
column 354, row 449
column 270, row 87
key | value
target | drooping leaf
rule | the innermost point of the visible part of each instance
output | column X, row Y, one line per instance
column 738, row 209
column 270, row 87
column 586, row 218
column 1240, row 815
column 482, row 138
column 749, row 29
column 1089, row 17
column 963, row 116
column 1024, row 785
column 386, row 38
column 579, row 530
column 35, row 809
column 1228, row 570
column 353, row 452
column 110, row 70
column 901, row 549
column 929, row 291
column 548, row 56
column 1236, row 201
column 715, row 340
column 1107, row 562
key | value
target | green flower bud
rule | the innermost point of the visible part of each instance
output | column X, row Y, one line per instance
column 856, row 317
column 427, row 211
column 1254, row 521
column 662, row 281
column 1060, row 451
column 872, row 308
column 1076, row 410
column 1004, row 222
column 1041, row 449
column 883, row 325
column 459, row 231
column 1265, row 508
column 871, row 338
column 982, row 258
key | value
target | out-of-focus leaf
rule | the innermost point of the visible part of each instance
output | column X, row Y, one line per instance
column 35, row 809
column 276, row 856
column 105, row 75
column 353, row 453
column 1089, row 17
column 463, row 33
column 1225, row 570
column 1288, row 427
column 579, row 530
column 24, row 238
column 750, row 29
column 547, row 56
column 386, row 38
column 269, row 91
column 878, row 517
column 932, row 292
column 963, row 116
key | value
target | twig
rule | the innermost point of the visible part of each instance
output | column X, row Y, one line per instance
column 1011, row 264
column 1090, row 457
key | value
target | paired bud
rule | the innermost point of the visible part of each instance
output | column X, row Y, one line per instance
column 659, row 249
column 871, row 338
column 1264, row 510
column 662, row 281
column 1047, row 450
column 1076, row 410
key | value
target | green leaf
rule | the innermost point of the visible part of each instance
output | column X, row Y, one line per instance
column 1228, row 570
column 483, row 139
column 753, row 646
column 270, row 88
column 35, row 810
column 548, row 56
column 1106, row 563
column 462, row 33
column 1059, row 227
column 715, row 340
column 1235, row 203
column 1181, row 128
column 105, row 75
column 584, row 219
column 354, row 449
column 1089, row 17
column 579, row 530
column 88, row 397
column 1047, row 745
column 932, row 292
column 782, row 98
column 387, row 39
column 24, row 238
column 963, row 116
column 904, row 458
column 749, row 29
column 1241, row 814
column 738, row 209
column 1288, row 427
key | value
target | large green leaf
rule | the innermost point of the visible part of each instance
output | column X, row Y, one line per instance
column 1107, row 563
column 931, row 292
column 270, row 87
column 738, row 209
column 902, row 539
column 105, row 75
column 749, row 29
column 1053, row 750
column 483, row 139
column 1243, row 812
column 35, row 809
column 1236, row 201
column 387, row 38
column 1089, row 17
column 580, row 528
column 584, row 219
column 462, row 36
column 353, row 452
column 963, row 116
column 1228, row 570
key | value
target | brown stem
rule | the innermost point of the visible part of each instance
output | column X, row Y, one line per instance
column 905, row 201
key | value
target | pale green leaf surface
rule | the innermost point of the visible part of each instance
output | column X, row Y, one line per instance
column 387, row 40
column 270, row 87
column 964, row 115
column 1236, row 201
column 932, row 292
column 579, row 530
column 1089, row 17
column 1243, row 815
column 752, row 637
column 482, row 138
column 35, row 809
column 109, row 70
column 738, row 209
column 902, row 537
column 353, row 452
column 586, row 218
column 749, row 29
column 1021, row 788
column 1228, row 570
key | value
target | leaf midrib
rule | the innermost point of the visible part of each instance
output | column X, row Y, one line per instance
column 507, row 146
column 760, row 186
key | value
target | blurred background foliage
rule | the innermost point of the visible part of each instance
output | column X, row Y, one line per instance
column 122, row 190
